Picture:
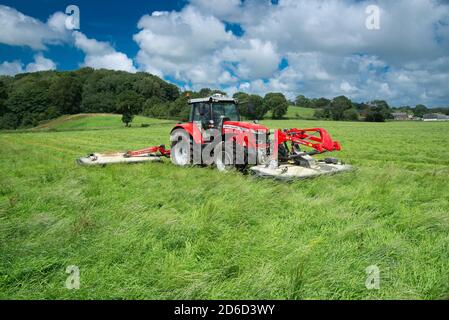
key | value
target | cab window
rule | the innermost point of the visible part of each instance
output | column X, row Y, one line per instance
column 228, row 110
column 201, row 112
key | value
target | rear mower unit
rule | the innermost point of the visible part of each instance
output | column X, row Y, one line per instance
column 215, row 135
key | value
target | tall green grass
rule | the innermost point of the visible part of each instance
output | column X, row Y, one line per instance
column 157, row 231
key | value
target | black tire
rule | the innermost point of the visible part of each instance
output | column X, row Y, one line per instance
column 331, row 161
column 225, row 157
column 181, row 148
column 282, row 152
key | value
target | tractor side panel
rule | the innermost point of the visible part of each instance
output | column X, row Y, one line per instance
column 192, row 130
column 240, row 135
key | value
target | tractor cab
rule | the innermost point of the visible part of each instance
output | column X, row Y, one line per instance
column 213, row 112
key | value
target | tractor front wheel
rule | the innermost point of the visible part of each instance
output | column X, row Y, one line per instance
column 181, row 148
column 224, row 157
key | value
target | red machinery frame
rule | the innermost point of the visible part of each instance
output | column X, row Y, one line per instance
column 308, row 138
column 317, row 138
column 151, row 151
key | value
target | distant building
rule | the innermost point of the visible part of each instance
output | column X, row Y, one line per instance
column 435, row 117
column 400, row 116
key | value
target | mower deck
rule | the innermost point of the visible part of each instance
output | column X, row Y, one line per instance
column 102, row 159
column 290, row 171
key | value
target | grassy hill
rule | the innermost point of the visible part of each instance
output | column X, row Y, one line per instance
column 95, row 121
column 158, row 231
column 298, row 113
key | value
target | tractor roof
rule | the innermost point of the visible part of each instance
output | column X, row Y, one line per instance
column 214, row 98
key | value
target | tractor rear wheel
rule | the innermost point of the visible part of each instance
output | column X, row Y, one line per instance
column 181, row 148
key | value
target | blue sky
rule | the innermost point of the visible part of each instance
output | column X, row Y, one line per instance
column 315, row 48
column 103, row 20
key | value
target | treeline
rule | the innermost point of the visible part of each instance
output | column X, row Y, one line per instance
column 420, row 110
column 255, row 107
column 342, row 108
column 28, row 99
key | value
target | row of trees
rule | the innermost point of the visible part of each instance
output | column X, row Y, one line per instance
column 27, row 99
column 255, row 107
column 342, row 108
column 420, row 110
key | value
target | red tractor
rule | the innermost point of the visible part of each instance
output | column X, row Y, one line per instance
column 215, row 135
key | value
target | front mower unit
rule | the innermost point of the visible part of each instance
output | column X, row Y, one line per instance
column 291, row 171
column 293, row 163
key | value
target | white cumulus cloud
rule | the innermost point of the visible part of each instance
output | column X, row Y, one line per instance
column 101, row 55
column 254, row 58
column 226, row 10
column 331, row 52
column 195, row 46
column 327, row 47
column 11, row 68
column 40, row 63
column 183, row 45
column 18, row 29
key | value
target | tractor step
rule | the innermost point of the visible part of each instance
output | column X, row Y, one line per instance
column 96, row 159
column 292, row 171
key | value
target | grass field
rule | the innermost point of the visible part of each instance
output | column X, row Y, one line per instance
column 161, row 232
column 94, row 121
